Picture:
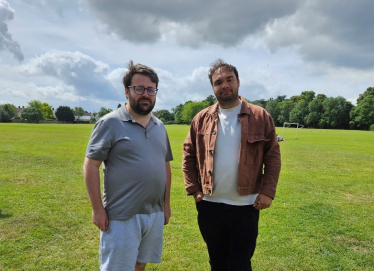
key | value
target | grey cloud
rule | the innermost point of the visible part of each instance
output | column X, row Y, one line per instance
column 86, row 75
column 337, row 33
column 58, row 7
column 6, row 40
column 212, row 21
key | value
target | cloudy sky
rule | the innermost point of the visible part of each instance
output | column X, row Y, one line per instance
column 74, row 53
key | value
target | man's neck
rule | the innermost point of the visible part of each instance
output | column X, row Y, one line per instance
column 141, row 119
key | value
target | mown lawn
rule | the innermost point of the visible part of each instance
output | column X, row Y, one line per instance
column 321, row 219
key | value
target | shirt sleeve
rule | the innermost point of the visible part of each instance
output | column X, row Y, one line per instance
column 169, row 154
column 100, row 142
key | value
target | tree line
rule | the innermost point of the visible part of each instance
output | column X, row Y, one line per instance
column 308, row 109
column 37, row 111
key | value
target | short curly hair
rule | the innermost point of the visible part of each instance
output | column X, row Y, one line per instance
column 138, row 69
column 219, row 63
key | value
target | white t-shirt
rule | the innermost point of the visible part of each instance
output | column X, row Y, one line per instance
column 226, row 160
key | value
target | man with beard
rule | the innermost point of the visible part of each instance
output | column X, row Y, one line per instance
column 231, row 165
column 133, row 147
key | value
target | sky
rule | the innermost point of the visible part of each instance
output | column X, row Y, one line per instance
column 74, row 53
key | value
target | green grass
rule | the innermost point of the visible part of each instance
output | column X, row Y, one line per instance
column 321, row 219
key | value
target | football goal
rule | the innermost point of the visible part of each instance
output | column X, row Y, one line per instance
column 289, row 124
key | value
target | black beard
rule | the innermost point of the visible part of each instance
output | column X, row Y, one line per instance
column 227, row 100
column 138, row 108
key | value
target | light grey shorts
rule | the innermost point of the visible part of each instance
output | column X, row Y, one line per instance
column 125, row 242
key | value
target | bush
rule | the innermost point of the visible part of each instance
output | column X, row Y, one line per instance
column 371, row 127
column 31, row 114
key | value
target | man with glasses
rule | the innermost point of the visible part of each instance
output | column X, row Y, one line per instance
column 133, row 148
column 231, row 165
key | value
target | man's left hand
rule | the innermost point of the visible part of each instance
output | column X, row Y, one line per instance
column 262, row 202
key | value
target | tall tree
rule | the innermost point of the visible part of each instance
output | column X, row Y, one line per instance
column 37, row 105
column 308, row 95
column 78, row 112
column 316, row 111
column 362, row 116
column 369, row 92
column 284, row 109
column 7, row 112
column 103, row 111
column 272, row 109
column 299, row 112
column 190, row 109
column 260, row 102
column 65, row 114
column 177, row 113
column 336, row 113
column 47, row 111
column 211, row 99
column 281, row 98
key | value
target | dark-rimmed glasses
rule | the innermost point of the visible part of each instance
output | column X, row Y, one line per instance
column 140, row 90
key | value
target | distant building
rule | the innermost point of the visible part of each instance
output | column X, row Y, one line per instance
column 18, row 111
column 87, row 116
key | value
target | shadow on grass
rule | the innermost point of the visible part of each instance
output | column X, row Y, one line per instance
column 4, row 215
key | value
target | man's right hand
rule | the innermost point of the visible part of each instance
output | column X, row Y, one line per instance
column 198, row 196
column 100, row 219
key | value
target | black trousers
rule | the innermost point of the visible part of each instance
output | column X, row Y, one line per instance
column 230, row 233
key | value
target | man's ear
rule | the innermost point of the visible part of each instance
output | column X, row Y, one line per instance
column 127, row 93
column 238, row 82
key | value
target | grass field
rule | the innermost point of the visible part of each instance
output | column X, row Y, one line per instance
column 321, row 219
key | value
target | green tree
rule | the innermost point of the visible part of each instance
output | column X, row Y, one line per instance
column 190, row 109
column 78, row 112
column 7, row 112
column 37, row 105
column 176, row 111
column 65, row 114
column 211, row 99
column 164, row 115
column 260, row 102
column 272, row 109
column 103, row 111
column 299, row 112
column 336, row 113
column 316, row 111
column 362, row 116
column 281, row 98
column 47, row 111
column 369, row 92
column 31, row 114
column 284, row 109
column 308, row 95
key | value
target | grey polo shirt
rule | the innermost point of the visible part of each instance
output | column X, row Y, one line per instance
column 133, row 163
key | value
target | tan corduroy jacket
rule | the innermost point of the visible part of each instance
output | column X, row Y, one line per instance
column 260, row 159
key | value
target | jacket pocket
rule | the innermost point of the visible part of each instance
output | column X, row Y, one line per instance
column 255, row 149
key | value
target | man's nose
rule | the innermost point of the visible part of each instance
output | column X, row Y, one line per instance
column 225, row 84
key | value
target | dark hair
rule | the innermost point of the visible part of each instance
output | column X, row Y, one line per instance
column 141, row 69
column 219, row 63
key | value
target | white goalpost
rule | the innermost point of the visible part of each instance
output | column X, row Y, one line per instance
column 288, row 124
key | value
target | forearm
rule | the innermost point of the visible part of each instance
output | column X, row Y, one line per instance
column 168, row 183
column 91, row 174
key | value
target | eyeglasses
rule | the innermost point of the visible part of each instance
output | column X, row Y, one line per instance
column 140, row 90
